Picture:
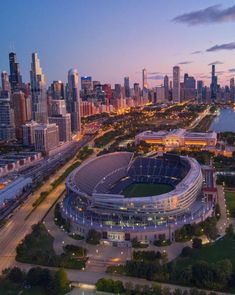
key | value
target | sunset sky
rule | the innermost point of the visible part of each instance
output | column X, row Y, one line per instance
column 110, row 39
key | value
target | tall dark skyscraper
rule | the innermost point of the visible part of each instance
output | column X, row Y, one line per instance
column 176, row 84
column 199, row 90
column 127, row 87
column 73, row 100
column 166, row 87
column 232, row 89
column 213, row 83
column 15, row 77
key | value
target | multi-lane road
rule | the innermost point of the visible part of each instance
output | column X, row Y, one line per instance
column 18, row 226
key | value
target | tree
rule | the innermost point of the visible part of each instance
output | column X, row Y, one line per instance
column 194, row 292
column 34, row 276
column 197, row 243
column 223, row 271
column 93, row 237
column 187, row 251
column 118, row 287
column 166, row 291
column 157, row 289
column 202, row 274
column 230, row 230
column 61, row 279
column 15, row 275
column 217, row 211
column 178, row 292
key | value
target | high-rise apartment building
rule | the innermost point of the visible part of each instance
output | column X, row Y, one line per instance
column 57, row 108
column 29, row 133
column 108, row 92
column 73, row 100
column 46, row 137
column 7, row 124
column 64, row 124
column 189, row 87
column 176, row 84
column 20, row 112
column 6, row 87
column 86, row 85
column 38, row 91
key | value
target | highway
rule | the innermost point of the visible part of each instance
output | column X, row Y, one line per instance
column 17, row 227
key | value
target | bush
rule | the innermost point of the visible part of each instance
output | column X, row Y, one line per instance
column 15, row 275
column 136, row 244
column 109, row 285
column 93, row 237
column 60, row 220
column 162, row 243
column 187, row 251
column 197, row 243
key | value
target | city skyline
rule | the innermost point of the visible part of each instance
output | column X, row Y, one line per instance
column 128, row 47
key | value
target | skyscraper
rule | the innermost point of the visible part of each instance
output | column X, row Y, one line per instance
column 73, row 100
column 176, row 84
column 232, row 89
column 38, row 91
column 86, row 85
column 57, row 90
column 15, row 77
column 189, row 87
column 213, row 83
column 166, row 87
column 5, row 82
column 7, row 124
column 199, row 90
column 127, row 86
column 144, row 79
column 20, row 112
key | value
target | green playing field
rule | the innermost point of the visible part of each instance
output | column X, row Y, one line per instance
column 145, row 189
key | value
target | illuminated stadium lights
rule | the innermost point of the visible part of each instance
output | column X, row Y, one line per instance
column 95, row 196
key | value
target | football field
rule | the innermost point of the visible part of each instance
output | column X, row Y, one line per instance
column 146, row 189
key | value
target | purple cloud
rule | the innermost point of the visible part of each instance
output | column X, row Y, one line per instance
column 211, row 14
column 185, row 62
column 226, row 46
column 196, row 52
column 217, row 62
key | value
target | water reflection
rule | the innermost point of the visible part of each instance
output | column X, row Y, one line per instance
column 225, row 121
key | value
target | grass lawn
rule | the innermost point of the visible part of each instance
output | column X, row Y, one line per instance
column 146, row 189
column 230, row 201
column 222, row 249
column 9, row 288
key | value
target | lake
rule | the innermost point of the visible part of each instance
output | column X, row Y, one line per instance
column 225, row 121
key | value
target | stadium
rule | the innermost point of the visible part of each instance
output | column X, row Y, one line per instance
column 125, row 197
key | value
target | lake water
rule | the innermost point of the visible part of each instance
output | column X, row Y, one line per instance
column 225, row 121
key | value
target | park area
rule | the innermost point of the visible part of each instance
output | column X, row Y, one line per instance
column 221, row 249
column 230, row 202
